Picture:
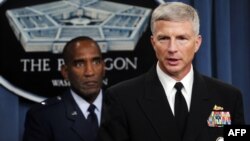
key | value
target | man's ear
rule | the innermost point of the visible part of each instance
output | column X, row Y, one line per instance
column 64, row 71
column 152, row 41
column 198, row 43
column 104, row 71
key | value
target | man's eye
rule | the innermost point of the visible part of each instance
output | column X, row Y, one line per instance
column 182, row 38
column 79, row 64
column 163, row 39
column 97, row 61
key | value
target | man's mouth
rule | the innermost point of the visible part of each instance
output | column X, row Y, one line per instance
column 90, row 83
column 172, row 61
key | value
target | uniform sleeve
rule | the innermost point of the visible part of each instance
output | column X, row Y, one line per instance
column 36, row 128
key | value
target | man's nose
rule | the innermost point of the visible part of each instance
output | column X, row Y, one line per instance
column 89, row 69
column 172, row 45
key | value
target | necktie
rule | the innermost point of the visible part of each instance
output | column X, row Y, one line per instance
column 180, row 108
column 93, row 123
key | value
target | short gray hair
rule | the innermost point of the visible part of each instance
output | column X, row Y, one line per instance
column 176, row 11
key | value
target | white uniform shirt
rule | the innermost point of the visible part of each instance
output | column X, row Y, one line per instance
column 84, row 105
column 168, row 85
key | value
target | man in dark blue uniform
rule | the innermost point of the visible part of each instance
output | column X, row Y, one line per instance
column 76, row 115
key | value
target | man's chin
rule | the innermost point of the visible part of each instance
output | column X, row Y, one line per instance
column 91, row 91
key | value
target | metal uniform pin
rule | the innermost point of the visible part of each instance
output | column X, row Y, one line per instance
column 220, row 139
column 59, row 98
column 74, row 113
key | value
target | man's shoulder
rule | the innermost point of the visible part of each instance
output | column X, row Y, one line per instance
column 129, row 83
column 48, row 104
column 219, row 85
column 136, row 85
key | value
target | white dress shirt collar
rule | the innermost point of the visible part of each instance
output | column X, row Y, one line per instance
column 84, row 105
column 168, row 85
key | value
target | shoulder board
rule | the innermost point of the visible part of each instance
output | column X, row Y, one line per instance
column 51, row 101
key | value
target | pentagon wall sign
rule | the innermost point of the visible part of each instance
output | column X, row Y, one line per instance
column 47, row 27
column 2, row 1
